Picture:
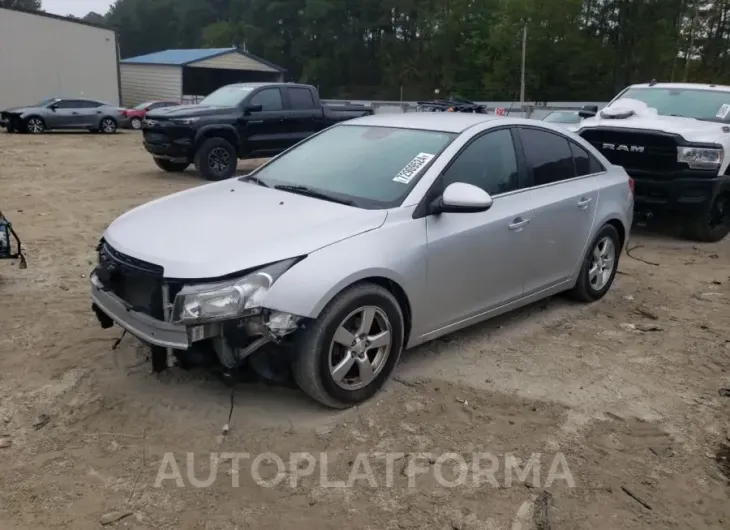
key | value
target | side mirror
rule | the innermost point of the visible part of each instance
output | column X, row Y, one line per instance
column 248, row 109
column 588, row 111
column 53, row 107
column 460, row 197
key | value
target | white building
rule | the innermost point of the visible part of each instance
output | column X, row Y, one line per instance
column 44, row 56
column 180, row 74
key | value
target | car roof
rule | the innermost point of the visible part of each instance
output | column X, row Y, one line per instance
column 454, row 122
column 692, row 86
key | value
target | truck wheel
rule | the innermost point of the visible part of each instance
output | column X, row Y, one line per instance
column 216, row 159
column 344, row 356
column 170, row 165
column 599, row 266
column 715, row 224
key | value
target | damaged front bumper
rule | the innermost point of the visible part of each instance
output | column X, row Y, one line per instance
column 232, row 340
column 7, row 236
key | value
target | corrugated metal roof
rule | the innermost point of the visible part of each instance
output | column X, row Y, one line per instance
column 185, row 57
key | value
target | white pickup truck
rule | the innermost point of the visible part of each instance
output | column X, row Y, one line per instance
column 673, row 139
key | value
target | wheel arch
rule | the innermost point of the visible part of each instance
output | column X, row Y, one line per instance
column 227, row 132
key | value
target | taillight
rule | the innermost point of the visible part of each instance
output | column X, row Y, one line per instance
column 124, row 112
column 632, row 186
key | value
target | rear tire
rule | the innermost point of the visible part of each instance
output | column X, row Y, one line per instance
column 170, row 166
column 216, row 159
column 108, row 125
column 599, row 266
column 136, row 124
column 714, row 225
column 339, row 360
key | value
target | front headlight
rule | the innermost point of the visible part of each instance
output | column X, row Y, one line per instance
column 185, row 121
column 699, row 157
column 198, row 304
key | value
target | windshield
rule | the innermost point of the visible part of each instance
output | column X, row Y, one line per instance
column 144, row 105
column 227, row 96
column 374, row 167
column 45, row 102
column 708, row 105
column 562, row 117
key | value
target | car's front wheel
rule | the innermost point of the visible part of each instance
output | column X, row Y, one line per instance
column 216, row 159
column 136, row 123
column 714, row 225
column 35, row 125
column 170, row 165
column 599, row 266
column 346, row 354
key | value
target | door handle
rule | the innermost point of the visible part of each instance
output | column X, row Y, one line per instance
column 518, row 223
column 584, row 202
column 254, row 122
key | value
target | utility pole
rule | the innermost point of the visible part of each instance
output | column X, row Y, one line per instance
column 522, row 77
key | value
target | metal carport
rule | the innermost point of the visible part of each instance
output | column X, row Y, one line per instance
column 185, row 75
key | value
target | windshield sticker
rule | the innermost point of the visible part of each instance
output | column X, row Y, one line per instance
column 723, row 112
column 406, row 175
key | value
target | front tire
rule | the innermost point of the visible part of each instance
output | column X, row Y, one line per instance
column 599, row 266
column 170, row 166
column 714, row 225
column 35, row 125
column 136, row 124
column 216, row 159
column 345, row 356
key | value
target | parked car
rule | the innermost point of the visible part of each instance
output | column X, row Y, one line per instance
column 375, row 235
column 60, row 113
column 137, row 114
column 563, row 116
column 7, row 238
column 247, row 120
column 673, row 138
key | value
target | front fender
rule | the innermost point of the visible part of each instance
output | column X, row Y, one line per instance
column 208, row 130
column 396, row 251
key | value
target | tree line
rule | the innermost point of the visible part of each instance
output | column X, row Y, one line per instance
column 382, row 49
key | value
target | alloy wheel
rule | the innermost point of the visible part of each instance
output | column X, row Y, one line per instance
column 603, row 261
column 219, row 159
column 108, row 126
column 360, row 348
column 35, row 126
column 136, row 123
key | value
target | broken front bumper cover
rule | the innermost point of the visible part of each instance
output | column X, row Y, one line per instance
column 142, row 326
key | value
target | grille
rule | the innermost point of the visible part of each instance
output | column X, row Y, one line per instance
column 137, row 282
column 156, row 138
column 659, row 154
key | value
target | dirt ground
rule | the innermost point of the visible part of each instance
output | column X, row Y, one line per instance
column 621, row 400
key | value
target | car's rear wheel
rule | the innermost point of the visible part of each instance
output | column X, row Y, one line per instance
column 136, row 123
column 108, row 125
column 170, row 165
column 345, row 356
column 714, row 225
column 599, row 266
column 216, row 159
column 35, row 125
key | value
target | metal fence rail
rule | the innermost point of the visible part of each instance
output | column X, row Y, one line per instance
column 536, row 110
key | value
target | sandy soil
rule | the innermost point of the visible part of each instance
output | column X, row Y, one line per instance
column 85, row 429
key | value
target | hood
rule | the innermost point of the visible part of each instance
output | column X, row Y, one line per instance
column 189, row 111
column 225, row 227
column 633, row 114
column 18, row 110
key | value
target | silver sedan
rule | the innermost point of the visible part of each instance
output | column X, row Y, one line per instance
column 59, row 113
column 371, row 237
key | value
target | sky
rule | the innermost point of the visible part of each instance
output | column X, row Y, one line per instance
column 77, row 8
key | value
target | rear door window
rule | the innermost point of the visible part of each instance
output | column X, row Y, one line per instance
column 548, row 156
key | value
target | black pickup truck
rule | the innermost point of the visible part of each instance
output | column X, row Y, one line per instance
column 245, row 120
